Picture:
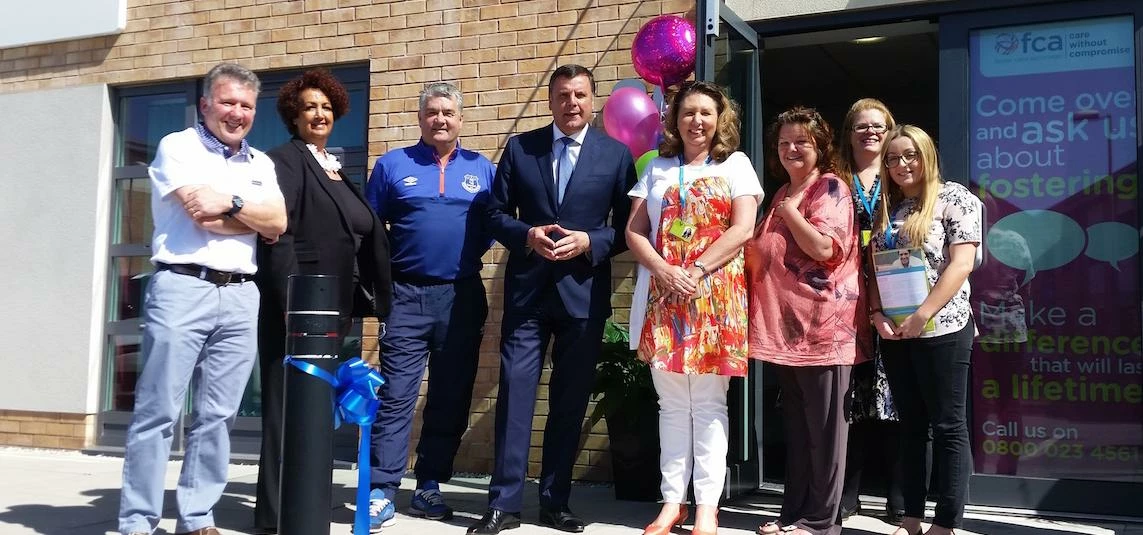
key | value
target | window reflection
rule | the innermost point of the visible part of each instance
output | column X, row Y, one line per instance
column 144, row 120
column 133, row 224
column 129, row 283
column 125, row 365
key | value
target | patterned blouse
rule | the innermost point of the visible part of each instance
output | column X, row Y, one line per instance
column 706, row 334
column 804, row 312
column 957, row 218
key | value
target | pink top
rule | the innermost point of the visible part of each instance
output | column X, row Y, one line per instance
column 804, row 312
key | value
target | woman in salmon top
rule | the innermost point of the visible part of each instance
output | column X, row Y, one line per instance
column 691, row 211
column 807, row 316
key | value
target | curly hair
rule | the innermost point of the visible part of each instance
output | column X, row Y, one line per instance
column 290, row 96
column 818, row 129
column 726, row 136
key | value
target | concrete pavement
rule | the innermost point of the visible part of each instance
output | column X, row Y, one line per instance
column 55, row 492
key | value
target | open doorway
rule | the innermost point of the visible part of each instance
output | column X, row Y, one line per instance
column 895, row 63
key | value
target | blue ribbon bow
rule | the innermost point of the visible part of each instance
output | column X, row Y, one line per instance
column 355, row 387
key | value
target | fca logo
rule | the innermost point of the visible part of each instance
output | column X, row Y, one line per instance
column 1007, row 43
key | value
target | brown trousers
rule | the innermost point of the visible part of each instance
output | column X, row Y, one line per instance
column 814, row 400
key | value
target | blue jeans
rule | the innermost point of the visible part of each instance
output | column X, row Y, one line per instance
column 198, row 333
column 441, row 325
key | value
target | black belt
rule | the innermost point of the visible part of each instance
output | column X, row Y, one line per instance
column 214, row 276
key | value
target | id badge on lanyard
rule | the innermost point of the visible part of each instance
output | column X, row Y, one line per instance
column 869, row 203
column 680, row 227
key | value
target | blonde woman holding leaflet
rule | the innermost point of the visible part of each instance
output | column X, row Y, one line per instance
column 928, row 369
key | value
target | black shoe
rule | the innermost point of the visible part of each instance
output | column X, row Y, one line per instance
column 894, row 516
column 562, row 519
column 844, row 513
column 493, row 521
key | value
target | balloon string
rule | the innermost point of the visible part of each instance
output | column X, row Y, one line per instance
column 663, row 104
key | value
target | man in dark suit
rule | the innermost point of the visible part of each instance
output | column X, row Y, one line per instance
column 559, row 205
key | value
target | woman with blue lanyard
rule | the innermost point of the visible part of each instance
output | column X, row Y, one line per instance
column 691, row 211
column 927, row 350
column 873, row 430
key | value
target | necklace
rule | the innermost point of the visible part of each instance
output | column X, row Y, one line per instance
column 326, row 160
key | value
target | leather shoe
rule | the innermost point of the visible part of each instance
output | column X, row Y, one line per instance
column 561, row 519
column 844, row 512
column 201, row 531
column 493, row 521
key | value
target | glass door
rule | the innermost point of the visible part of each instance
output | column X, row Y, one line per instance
column 728, row 56
column 1049, row 100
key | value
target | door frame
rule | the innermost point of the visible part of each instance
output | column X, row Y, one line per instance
column 714, row 20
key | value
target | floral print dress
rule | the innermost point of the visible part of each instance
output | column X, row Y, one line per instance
column 706, row 334
column 872, row 400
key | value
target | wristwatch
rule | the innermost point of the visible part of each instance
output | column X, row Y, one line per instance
column 702, row 267
column 235, row 206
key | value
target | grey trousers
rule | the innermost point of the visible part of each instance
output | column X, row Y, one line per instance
column 200, row 334
column 813, row 412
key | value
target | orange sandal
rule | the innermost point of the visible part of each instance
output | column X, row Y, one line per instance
column 654, row 529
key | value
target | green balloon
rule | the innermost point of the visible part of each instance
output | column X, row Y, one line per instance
column 643, row 160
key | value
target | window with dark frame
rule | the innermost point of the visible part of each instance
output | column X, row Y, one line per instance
column 143, row 115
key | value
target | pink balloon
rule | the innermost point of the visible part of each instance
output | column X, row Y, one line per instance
column 630, row 116
column 664, row 50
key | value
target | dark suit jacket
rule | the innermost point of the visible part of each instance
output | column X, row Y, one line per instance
column 318, row 240
column 524, row 196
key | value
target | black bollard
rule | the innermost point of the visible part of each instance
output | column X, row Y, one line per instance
column 307, row 428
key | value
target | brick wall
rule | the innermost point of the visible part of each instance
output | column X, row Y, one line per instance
column 46, row 429
column 499, row 52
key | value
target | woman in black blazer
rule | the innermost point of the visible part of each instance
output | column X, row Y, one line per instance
column 332, row 231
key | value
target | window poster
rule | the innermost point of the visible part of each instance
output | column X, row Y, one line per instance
column 1057, row 377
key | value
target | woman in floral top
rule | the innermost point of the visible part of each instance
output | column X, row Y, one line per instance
column 928, row 370
column 691, row 211
column 808, row 317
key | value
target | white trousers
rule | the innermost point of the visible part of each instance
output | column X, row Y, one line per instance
column 693, row 434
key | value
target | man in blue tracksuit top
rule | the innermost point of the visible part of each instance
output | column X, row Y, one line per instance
column 433, row 196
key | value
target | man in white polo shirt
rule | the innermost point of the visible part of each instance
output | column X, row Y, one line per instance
column 212, row 195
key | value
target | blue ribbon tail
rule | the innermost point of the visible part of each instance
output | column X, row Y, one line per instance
column 355, row 400
column 361, row 518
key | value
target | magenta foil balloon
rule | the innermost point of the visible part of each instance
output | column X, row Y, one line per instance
column 664, row 50
column 631, row 118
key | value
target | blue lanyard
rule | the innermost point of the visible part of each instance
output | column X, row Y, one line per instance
column 890, row 236
column 867, row 202
column 682, row 189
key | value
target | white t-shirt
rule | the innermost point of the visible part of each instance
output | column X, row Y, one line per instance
column 659, row 175
column 183, row 160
